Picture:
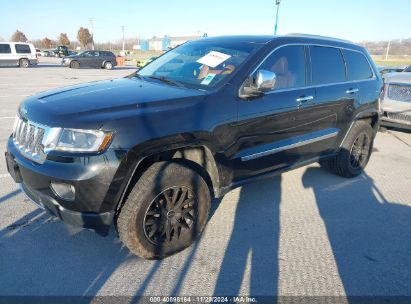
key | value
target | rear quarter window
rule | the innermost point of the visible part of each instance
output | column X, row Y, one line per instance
column 358, row 67
column 327, row 65
column 107, row 53
column 22, row 49
column 5, row 48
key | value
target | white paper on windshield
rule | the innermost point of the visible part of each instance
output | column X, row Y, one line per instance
column 213, row 59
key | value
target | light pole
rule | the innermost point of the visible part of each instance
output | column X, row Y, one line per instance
column 277, row 3
column 388, row 50
column 92, row 33
column 122, row 28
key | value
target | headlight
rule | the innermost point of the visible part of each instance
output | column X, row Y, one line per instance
column 76, row 140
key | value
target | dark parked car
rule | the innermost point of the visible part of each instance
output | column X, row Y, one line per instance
column 149, row 151
column 387, row 70
column 61, row 51
column 407, row 69
column 91, row 59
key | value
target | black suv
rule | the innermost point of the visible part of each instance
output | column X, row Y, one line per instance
column 91, row 59
column 150, row 151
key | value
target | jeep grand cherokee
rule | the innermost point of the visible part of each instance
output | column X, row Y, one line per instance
column 149, row 151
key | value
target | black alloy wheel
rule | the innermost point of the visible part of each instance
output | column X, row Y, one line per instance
column 360, row 151
column 170, row 216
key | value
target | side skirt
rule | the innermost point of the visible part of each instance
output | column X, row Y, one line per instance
column 224, row 190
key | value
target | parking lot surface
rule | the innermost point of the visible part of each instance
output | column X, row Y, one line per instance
column 306, row 232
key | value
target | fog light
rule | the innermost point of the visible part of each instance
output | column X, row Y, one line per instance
column 63, row 190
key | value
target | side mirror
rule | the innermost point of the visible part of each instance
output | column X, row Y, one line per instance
column 264, row 80
column 254, row 87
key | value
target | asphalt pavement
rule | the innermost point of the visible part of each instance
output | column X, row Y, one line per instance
column 304, row 233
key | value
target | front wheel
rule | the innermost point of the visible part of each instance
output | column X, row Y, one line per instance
column 354, row 153
column 165, row 211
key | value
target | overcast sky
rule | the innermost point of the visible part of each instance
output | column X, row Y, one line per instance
column 355, row 20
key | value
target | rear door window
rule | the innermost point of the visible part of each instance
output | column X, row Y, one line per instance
column 88, row 54
column 288, row 63
column 327, row 65
column 22, row 49
column 358, row 67
column 5, row 48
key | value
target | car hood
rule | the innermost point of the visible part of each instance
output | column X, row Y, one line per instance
column 401, row 77
column 90, row 105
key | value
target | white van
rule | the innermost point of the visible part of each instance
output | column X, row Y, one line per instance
column 17, row 54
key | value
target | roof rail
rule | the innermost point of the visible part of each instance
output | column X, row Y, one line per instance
column 319, row 36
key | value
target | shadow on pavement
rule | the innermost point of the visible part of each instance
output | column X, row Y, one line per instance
column 9, row 195
column 369, row 235
column 255, row 236
column 40, row 257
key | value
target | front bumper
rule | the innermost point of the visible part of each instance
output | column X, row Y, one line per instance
column 395, row 121
column 396, row 114
column 93, row 177
column 99, row 222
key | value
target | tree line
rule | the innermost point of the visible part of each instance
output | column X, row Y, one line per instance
column 85, row 39
column 397, row 47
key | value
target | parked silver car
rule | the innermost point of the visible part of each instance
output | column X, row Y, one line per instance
column 396, row 103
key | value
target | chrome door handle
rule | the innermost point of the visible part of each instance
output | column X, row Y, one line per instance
column 352, row 91
column 305, row 98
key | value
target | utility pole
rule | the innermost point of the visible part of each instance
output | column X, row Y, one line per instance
column 122, row 28
column 92, row 33
column 277, row 3
column 388, row 50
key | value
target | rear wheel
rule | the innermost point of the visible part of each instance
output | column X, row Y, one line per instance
column 354, row 153
column 108, row 65
column 74, row 65
column 165, row 211
column 24, row 63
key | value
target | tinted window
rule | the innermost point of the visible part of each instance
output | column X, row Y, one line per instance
column 327, row 65
column 23, row 49
column 88, row 54
column 202, row 63
column 288, row 63
column 357, row 66
column 5, row 49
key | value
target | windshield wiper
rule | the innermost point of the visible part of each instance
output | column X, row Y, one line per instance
column 166, row 80
column 136, row 75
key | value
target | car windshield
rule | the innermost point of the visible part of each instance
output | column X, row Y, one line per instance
column 199, row 64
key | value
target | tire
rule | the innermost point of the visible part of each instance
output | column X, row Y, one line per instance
column 108, row 65
column 147, row 224
column 354, row 153
column 74, row 65
column 24, row 63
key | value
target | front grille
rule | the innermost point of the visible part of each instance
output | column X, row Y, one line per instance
column 28, row 139
column 399, row 92
column 399, row 117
